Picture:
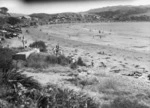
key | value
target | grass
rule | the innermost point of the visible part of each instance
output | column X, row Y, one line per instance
column 43, row 60
column 121, row 102
column 105, row 85
column 37, row 61
column 80, row 62
column 61, row 60
column 83, row 81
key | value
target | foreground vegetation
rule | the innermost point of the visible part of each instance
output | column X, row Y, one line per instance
column 20, row 91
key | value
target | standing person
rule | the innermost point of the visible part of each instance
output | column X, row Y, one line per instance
column 99, row 31
column 57, row 49
column 23, row 41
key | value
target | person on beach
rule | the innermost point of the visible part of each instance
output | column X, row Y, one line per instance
column 99, row 31
column 57, row 49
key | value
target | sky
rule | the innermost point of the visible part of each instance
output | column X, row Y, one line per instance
column 19, row 6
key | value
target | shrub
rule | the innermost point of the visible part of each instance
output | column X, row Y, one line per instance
column 39, row 44
column 124, row 103
column 62, row 60
column 52, row 59
column 12, row 76
column 14, row 86
column 43, row 60
column 2, row 21
column 65, row 98
column 6, row 58
column 80, row 62
column 73, row 65
column 105, row 85
column 5, row 104
column 37, row 61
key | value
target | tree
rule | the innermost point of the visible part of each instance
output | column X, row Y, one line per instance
column 2, row 21
column 6, row 58
column 13, row 20
column 4, row 10
column 39, row 44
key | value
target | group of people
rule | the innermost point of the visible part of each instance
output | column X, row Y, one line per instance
column 57, row 50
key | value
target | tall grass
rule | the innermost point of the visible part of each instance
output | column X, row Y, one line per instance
column 105, row 85
column 42, row 60
column 122, row 102
column 37, row 61
column 12, row 84
column 65, row 98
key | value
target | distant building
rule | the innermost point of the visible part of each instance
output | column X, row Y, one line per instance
column 35, row 19
column 25, row 17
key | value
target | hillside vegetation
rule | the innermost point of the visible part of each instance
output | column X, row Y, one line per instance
column 114, row 13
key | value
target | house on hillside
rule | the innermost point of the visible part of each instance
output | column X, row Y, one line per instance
column 35, row 19
column 3, row 10
column 25, row 17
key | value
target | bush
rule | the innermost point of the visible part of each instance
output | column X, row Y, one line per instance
column 2, row 21
column 6, row 58
column 62, row 60
column 13, row 20
column 15, row 87
column 39, row 44
column 80, row 62
column 37, row 61
column 65, row 98
column 52, row 59
column 124, row 103
column 12, row 77
column 44, row 60
column 73, row 65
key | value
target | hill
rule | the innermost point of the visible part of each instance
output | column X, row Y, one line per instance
column 123, row 13
column 111, row 13
column 66, row 17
